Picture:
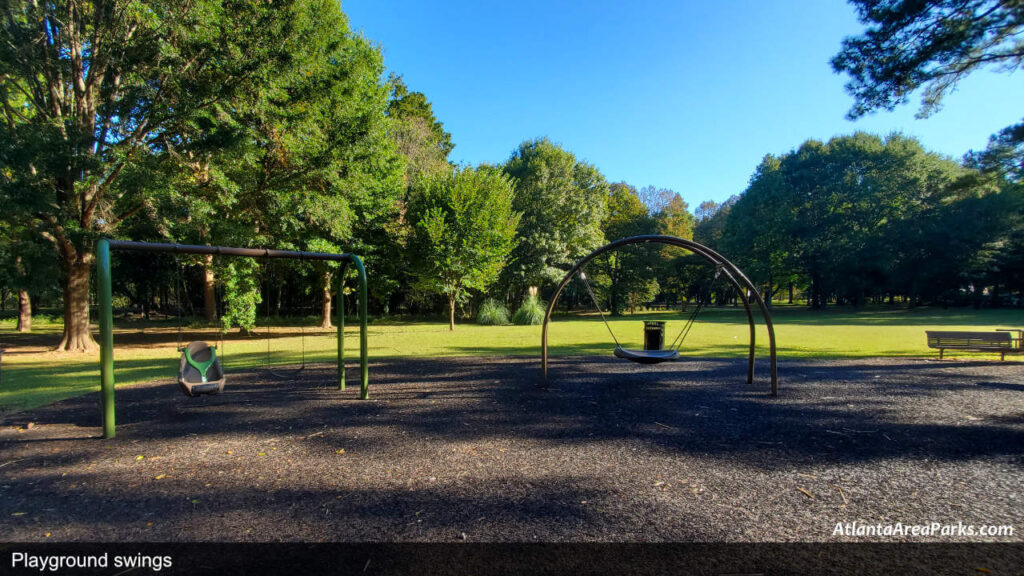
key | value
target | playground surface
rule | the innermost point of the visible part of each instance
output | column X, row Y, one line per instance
column 469, row 449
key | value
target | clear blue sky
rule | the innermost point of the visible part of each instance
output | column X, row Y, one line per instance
column 682, row 95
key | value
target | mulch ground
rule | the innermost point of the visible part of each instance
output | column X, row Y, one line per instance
column 471, row 449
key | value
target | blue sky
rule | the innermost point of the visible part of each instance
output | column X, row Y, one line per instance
column 681, row 95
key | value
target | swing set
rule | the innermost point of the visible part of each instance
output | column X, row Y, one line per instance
column 654, row 352
column 199, row 369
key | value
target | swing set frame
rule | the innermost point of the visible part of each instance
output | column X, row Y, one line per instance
column 746, row 289
column 106, row 319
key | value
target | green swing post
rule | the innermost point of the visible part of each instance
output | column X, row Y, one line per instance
column 103, row 287
column 342, row 268
column 106, row 319
column 364, row 352
column 364, row 361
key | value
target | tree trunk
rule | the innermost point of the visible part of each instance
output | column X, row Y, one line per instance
column 75, row 268
column 817, row 301
column 24, row 312
column 325, row 311
column 451, row 312
column 209, row 291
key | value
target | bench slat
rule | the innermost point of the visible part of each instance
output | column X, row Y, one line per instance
column 990, row 336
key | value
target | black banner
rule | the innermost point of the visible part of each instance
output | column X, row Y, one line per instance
column 511, row 559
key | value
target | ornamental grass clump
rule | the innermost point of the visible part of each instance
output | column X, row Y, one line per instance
column 492, row 313
column 530, row 312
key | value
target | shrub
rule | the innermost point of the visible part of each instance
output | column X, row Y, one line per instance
column 530, row 313
column 492, row 313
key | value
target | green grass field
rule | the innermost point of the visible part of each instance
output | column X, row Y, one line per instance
column 33, row 376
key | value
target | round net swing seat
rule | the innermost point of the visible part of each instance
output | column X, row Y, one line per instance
column 200, row 371
column 646, row 356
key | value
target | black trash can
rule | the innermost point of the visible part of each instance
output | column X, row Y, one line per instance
column 654, row 335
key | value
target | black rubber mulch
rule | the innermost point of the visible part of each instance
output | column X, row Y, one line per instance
column 469, row 449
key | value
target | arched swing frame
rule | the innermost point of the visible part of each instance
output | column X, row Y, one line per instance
column 732, row 274
column 106, row 319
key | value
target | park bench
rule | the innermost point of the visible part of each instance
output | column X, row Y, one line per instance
column 1002, row 341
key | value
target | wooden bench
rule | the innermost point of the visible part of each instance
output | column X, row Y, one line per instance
column 1001, row 341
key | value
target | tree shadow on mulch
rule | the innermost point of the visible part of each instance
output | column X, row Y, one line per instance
column 827, row 412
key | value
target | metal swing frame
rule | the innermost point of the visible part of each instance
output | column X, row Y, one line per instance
column 106, row 319
column 746, row 289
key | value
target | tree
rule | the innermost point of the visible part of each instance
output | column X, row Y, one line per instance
column 464, row 228
column 1003, row 163
column 674, row 218
column 325, row 274
column 860, row 216
column 711, row 218
column 26, row 267
column 756, row 232
column 631, row 272
column 1004, row 155
column 420, row 137
column 424, row 146
column 1008, row 256
column 86, row 87
column 932, row 44
column 669, row 209
column 562, row 201
column 303, row 161
column 241, row 293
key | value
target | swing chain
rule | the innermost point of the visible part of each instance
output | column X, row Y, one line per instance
column 688, row 325
column 583, row 275
column 302, row 330
column 181, row 294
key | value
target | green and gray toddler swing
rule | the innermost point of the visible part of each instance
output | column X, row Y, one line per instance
column 200, row 371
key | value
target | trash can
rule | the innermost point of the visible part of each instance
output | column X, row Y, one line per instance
column 654, row 335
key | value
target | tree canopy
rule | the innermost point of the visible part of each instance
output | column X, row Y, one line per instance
column 562, row 201
column 929, row 44
column 89, row 87
column 463, row 229
column 860, row 215
column 420, row 137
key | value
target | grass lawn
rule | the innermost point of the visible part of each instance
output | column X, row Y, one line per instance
column 33, row 376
